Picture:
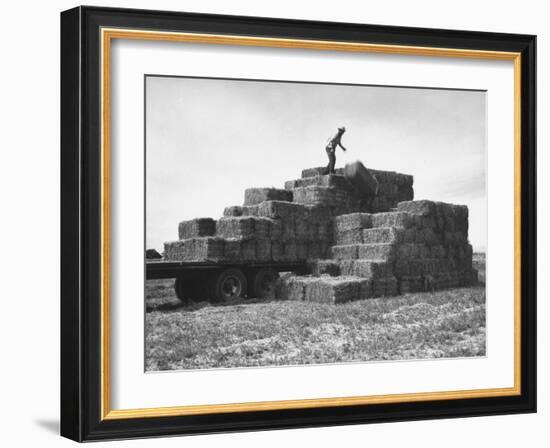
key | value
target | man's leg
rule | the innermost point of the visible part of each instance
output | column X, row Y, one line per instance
column 331, row 163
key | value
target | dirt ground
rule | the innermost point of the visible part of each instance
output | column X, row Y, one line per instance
column 249, row 333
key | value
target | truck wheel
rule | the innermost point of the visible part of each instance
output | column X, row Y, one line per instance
column 228, row 284
column 263, row 283
column 184, row 287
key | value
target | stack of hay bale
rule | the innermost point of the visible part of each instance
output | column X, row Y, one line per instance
column 355, row 247
column 421, row 246
column 334, row 190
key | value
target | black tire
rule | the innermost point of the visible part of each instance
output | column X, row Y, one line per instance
column 184, row 287
column 228, row 284
column 262, row 285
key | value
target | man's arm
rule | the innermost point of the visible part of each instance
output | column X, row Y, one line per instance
column 341, row 146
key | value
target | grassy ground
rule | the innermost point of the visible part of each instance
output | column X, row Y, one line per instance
column 267, row 333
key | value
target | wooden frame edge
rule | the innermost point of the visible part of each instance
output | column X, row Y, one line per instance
column 107, row 34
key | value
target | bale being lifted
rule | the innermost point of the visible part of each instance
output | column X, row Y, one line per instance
column 361, row 179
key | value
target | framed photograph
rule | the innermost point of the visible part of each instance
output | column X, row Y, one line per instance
column 273, row 223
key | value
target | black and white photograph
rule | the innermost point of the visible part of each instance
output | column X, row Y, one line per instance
column 298, row 223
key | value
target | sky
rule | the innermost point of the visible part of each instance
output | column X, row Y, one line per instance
column 207, row 140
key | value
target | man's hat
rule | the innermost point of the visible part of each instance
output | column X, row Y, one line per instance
column 343, row 128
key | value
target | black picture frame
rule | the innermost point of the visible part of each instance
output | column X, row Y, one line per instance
column 81, row 224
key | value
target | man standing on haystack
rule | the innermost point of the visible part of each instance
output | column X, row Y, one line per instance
column 332, row 143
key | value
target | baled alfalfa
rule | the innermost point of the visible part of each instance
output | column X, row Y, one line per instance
column 174, row 250
column 254, row 196
column 325, row 232
column 409, row 235
column 422, row 207
column 320, row 171
column 288, row 230
column 319, row 214
column 431, row 237
column 346, row 267
column 263, row 250
column 371, row 269
column 344, row 252
column 281, row 210
column 401, row 267
column 407, row 284
column 289, row 252
column 232, row 249
column 291, row 184
column 314, row 250
column 234, row 210
column 325, row 249
column 353, row 236
column 301, row 230
column 325, row 267
column 333, row 290
column 301, row 251
column 383, row 235
column 196, row 227
column 405, row 193
column 277, row 251
column 275, row 229
column 292, row 287
column 250, row 210
column 387, row 188
column 300, row 195
column 391, row 219
column 386, row 252
column 241, row 227
column 248, row 250
column 352, row 221
column 262, row 227
column 205, row 249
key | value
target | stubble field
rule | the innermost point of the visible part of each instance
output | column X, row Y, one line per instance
column 251, row 333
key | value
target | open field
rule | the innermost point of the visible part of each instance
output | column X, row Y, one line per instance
column 248, row 333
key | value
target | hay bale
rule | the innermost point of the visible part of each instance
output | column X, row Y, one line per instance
column 241, row 227
column 250, row 210
column 319, row 214
column 386, row 252
column 383, row 235
column 289, row 252
column 292, row 287
column 282, row 210
column 234, row 210
column 422, row 207
column 196, row 249
column 262, row 227
column 197, row 227
column 288, row 230
column 277, row 251
column 275, row 229
column 232, row 249
column 391, row 219
column 324, row 232
column 314, row 250
column 325, row 267
column 263, row 250
column 346, row 267
column 254, row 196
column 407, row 284
column 302, row 230
column 401, row 267
column 353, row 221
column 371, row 269
column 248, row 250
column 353, row 236
column 301, row 251
column 333, row 290
column 344, row 252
